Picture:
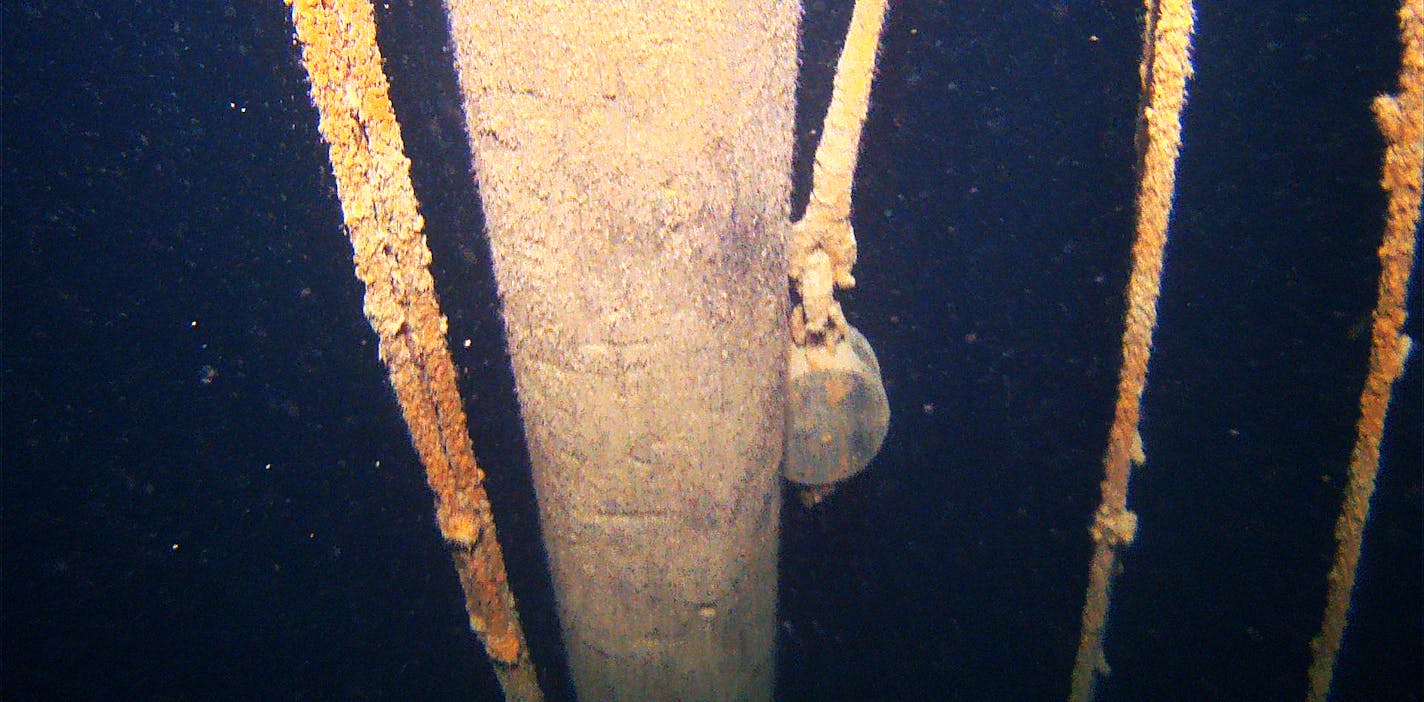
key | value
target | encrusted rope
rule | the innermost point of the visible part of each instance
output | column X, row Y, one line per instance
column 1401, row 121
column 1166, row 66
column 352, row 97
column 822, row 242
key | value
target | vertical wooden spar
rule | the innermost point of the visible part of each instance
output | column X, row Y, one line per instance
column 1401, row 121
column 634, row 161
column 351, row 94
column 1166, row 66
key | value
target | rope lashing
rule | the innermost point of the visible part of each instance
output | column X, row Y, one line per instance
column 823, row 248
column 837, row 410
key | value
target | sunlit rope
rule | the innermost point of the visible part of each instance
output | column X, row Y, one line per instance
column 1401, row 121
column 351, row 94
column 1166, row 66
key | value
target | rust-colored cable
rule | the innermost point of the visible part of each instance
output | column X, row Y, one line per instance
column 1401, row 120
column 352, row 97
column 1166, row 68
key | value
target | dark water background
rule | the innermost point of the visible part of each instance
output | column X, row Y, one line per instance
column 208, row 492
